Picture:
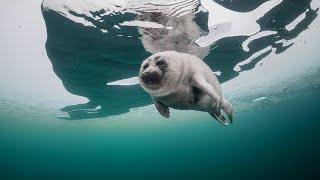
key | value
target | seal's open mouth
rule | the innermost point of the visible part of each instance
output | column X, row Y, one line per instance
column 151, row 78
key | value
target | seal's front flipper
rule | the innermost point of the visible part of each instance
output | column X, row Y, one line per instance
column 220, row 118
column 162, row 109
column 200, row 82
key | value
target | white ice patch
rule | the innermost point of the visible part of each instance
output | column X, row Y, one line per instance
column 144, row 24
column 315, row 4
column 259, row 99
column 176, row 8
column 259, row 35
column 104, row 30
column 223, row 22
column 75, row 9
column 295, row 22
column 117, row 27
column 125, row 82
column 237, row 68
column 68, row 8
column 278, row 71
column 218, row 73
column 286, row 42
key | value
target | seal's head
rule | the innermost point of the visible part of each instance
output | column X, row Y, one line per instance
column 152, row 72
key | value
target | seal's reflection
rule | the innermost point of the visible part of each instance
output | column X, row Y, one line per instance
column 86, row 59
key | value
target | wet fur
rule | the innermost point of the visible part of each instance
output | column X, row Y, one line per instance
column 188, row 84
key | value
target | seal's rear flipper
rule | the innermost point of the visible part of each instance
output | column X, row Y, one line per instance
column 228, row 109
column 220, row 118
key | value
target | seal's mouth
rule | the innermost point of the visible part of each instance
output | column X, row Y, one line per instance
column 151, row 78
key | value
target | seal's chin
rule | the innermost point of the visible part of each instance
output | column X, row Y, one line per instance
column 151, row 79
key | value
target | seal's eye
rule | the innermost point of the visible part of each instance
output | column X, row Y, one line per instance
column 146, row 66
column 157, row 57
column 160, row 63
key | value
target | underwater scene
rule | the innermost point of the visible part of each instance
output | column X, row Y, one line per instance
column 72, row 107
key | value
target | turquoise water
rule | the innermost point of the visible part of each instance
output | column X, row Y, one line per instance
column 64, row 114
column 269, row 143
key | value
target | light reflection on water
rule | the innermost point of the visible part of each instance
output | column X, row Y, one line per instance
column 92, row 43
column 272, row 78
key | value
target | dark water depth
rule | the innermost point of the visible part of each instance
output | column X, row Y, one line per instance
column 65, row 115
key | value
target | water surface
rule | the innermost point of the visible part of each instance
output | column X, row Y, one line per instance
column 71, row 108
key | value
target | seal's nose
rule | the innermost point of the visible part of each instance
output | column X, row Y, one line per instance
column 151, row 77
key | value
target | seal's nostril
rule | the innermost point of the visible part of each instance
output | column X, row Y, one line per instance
column 151, row 77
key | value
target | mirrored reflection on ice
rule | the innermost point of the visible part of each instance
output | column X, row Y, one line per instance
column 96, row 46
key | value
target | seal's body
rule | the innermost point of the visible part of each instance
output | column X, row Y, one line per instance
column 183, row 81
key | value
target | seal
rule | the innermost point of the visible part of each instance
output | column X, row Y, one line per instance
column 183, row 81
